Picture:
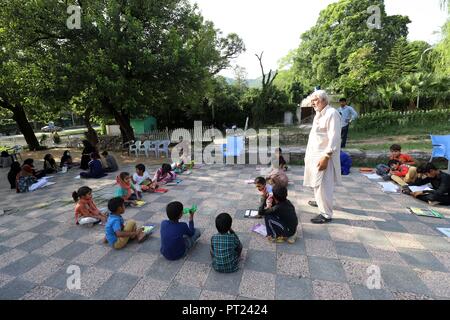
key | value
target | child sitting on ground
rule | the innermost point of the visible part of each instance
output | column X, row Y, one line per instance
column 86, row 207
column 126, row 189
column 277, row 177
column 12, row 174
column 118, row 232
column 50, row 164
column 111, row 162
column 164, row 175
column 266, row 192
column 403, row 158
column 95, row 168
column 66, row 160
column 177, row 237
column 281, row 220
column 6, row 159
column 226, row 247
column 279, row 157
column 402, row 173
column 142, row 181
column 440, row 182
column 27, row 176
column 383, row 169
column 346, row 163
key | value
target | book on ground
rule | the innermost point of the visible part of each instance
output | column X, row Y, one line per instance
column 139, row 203
column 148, row 229
column 425, row 212
column 372, row 176
column 251, row 213
column 174, row 183
column 260, row 229
column 420, row 188
column 389, row 187
column 445, row 231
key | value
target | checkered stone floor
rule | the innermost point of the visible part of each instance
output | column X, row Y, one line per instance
column 371, row 231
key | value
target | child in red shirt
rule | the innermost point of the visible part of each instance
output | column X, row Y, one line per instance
column 396, row 154
column 401, row 173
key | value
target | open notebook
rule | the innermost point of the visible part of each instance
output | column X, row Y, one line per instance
column 426, row 212
column 251, row 213
column 260, row 229
column 148, row 229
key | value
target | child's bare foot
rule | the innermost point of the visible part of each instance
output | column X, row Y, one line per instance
column 105, row 240
column 141, row 237
column 270, row 238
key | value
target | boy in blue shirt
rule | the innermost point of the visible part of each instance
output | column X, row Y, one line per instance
column 119, row 232
column 177, row 237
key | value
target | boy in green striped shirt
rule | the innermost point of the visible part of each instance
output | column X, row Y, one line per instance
column 226, row 247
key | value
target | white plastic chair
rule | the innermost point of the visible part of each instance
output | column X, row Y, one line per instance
column 142, row 149
column 163, row 146
column 153, row 147
column 135, row 147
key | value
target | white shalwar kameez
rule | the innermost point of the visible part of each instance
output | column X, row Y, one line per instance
column 324, row 138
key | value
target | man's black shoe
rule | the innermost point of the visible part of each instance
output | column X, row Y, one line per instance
column 320, row 219
column 312, row 203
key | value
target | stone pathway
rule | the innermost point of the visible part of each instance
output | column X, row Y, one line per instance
column 371, row 231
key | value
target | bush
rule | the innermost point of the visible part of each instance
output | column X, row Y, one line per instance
column 43, row 139
column 56, row 138
column 380, row 121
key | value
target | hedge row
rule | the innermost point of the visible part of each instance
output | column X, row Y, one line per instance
column 380, row 120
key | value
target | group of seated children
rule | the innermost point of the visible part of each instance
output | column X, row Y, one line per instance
column 98, row 168
column 95, row 166
column 23, row 177
column 278, row 212
column 401, row 169
column 402, row 161
column 177, row 237
column 130, row 188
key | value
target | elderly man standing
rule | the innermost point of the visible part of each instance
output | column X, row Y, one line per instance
column 322, row 157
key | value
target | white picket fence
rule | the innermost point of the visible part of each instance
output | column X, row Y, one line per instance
column 204, row 135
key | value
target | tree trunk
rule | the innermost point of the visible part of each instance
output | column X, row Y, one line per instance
column 25, row 127
column 122, row 118
column 91, row 134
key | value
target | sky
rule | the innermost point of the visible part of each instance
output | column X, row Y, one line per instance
column 275, row 26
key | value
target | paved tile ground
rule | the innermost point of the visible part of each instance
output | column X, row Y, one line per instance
column 371, row 230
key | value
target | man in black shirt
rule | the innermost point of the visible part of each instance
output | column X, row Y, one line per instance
column 281, row 219
column 440, row 182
